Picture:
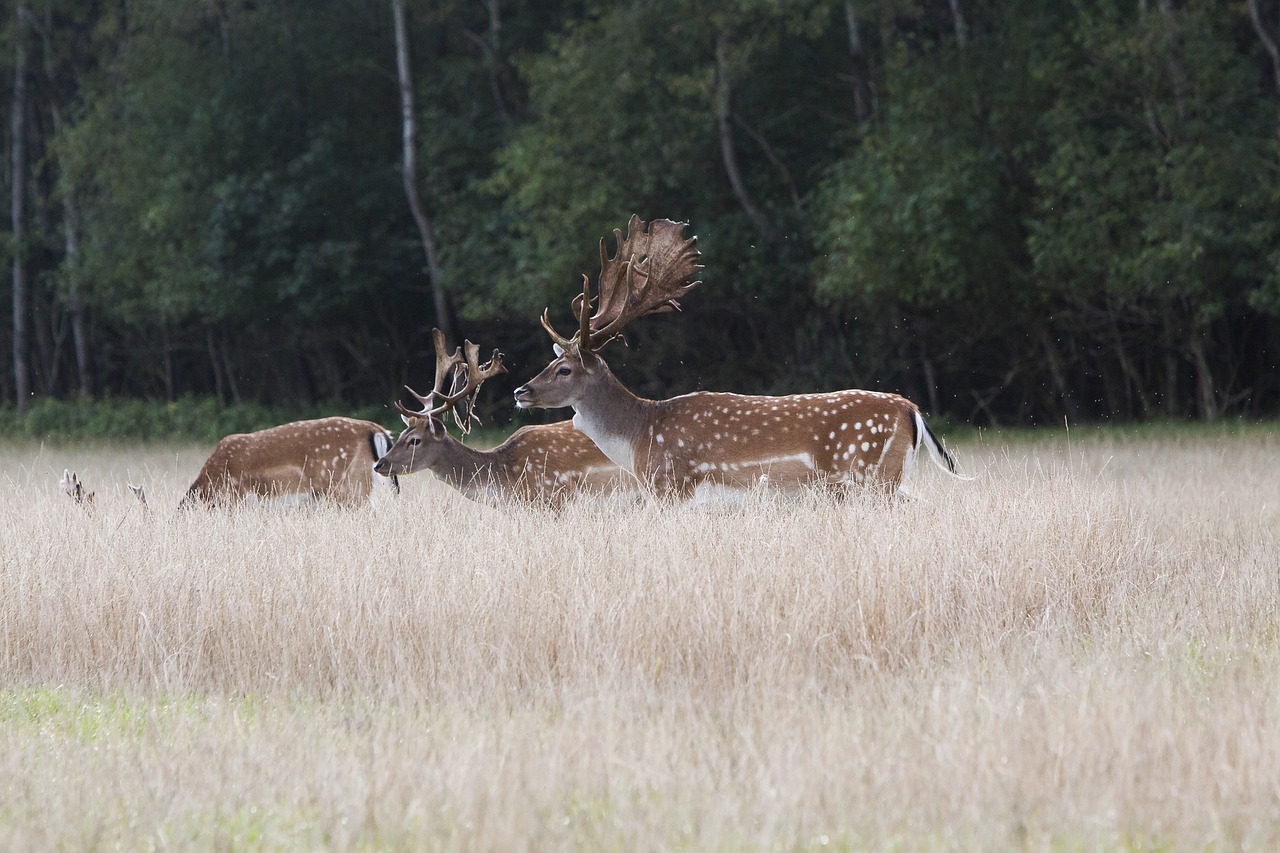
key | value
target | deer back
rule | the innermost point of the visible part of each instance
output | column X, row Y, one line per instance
column 329, row 458
column 855, row 438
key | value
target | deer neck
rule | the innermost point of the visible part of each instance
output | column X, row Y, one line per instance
column 461, row 466
column 613, row 418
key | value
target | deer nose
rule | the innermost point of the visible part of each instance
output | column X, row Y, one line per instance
column 521, row 393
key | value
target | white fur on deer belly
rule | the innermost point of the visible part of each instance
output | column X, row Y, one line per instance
column 781, row 470
column 717, row 495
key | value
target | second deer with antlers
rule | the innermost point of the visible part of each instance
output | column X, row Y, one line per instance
column 545, row 464
column 680, row 445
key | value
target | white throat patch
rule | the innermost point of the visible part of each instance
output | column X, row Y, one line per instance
column 617, row 448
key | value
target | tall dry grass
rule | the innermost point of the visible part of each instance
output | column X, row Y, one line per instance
column 1078, row 650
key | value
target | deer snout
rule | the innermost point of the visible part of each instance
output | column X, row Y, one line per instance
column 524, row 397
column 382, row 466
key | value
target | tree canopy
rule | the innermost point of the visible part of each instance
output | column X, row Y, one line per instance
column 1012, row 212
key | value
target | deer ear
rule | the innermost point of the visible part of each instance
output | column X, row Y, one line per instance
column 405, row 418
column 557, row 349
column 435, row 427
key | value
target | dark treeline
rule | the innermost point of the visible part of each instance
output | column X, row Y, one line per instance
column 1013, row 212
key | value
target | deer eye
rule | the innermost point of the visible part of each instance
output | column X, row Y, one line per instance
column 564, row 370
column 414, row 441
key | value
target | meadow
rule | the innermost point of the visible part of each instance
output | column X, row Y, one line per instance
column 1079, row 649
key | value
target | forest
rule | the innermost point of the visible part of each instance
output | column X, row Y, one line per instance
column 1013, row 212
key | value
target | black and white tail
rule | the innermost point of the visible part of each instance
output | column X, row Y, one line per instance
column 380, row 443
column 937, row 452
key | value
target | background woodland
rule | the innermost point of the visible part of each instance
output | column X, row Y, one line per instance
column 1013, row 212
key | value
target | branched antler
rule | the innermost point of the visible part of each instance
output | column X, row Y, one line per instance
column 468, row 376
column 646, row 275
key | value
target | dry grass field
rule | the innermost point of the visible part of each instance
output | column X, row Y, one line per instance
column 1078, row 650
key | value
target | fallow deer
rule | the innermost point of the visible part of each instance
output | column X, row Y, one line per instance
column 686, row 445
column 74, row 488
column 328, row 458
column 545, row 464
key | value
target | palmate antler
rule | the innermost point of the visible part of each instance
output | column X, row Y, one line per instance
column 646, row 275
column 464, row 364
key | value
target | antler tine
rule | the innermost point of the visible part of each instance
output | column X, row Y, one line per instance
column 405, row 410
column 556, row 338
column 475, row 374
column 584, row 323
column 646, row 276
column 445, row 363
column 581, row 310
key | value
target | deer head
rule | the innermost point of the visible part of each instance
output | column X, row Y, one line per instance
column 646, row 275
column 425, row 430
column 70, row 483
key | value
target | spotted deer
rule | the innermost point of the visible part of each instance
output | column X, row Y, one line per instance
column 697, row 443
column 543, row 464
column 328, row 458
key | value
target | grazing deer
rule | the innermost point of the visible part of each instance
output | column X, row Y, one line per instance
column 74, row 487
column 540, row 464
column 71, row 484
column 697, row 442
column 328, row 458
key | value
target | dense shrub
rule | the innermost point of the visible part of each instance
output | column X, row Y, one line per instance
column 188, row 419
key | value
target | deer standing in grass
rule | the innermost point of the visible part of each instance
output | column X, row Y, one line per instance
column 328, row 458
column 698, row 443
column 540, row 464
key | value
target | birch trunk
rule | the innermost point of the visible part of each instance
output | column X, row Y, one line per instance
column 409, row 172
column 728, row 149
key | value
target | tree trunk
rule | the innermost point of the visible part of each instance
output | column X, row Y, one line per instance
column 490, row 45
column 409, row 172
column 1054, row 361
column 1172, row 398
column 1132, row 380
column 930, row 378
column 861, row 68
column 728, row 152
column 957, row 20
column 1268, row 44
column 219, row 388
column 76, row 305
column 21, row 294
column 1206, row 390
column 167, row 364
column 228, row 370
column 1177, row 74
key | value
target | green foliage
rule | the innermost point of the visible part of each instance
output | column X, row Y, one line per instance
column 602, row 148
column 1156, row 196
column 1037, row 210
column 915, row 215
column 216, row 169
column 188, row 419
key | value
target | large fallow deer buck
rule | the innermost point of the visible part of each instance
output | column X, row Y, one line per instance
column 703, row 442
column 544, row 464
column 327, row 459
